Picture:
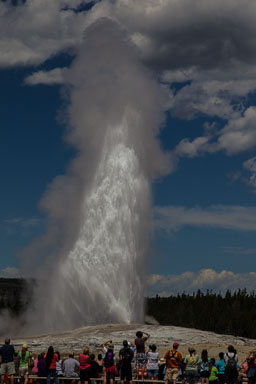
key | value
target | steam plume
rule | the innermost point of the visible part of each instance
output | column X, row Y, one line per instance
column 100, row 211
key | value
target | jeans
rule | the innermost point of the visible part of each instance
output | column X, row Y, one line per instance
column 52, row 373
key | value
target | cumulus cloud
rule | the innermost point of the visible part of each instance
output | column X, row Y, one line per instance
column 35, row 30
column 10, row 272
column 238, row 135
column 182, row 41
column 53, row 77
column 189, row 282
column 173, row 218
column 250, row 167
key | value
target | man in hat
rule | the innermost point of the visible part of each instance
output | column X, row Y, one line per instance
column 173, row 360
column 6, row 353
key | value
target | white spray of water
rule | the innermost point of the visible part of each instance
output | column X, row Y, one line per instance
column 100, row 212
column 106, row 259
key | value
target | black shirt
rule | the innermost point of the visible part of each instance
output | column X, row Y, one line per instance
column 94, row 369
column 126, row 356
column 7, row 352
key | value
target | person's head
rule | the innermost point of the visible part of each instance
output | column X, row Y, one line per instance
column 204, row 355
column 231, row 349
column 110, row 347
column 71, row 355
column 49, row 357
column 24, row 349
column 99, row 356
column 212, row 361
column 191, row 350
column 153, row 347
column 125, row 343
column 92, row 357
column 175, row 345
column 139, row 334
column 221, row 355
column 50, row 350
column 40, row 356
column 7, row 341
column 58, row 353
column 86, row 351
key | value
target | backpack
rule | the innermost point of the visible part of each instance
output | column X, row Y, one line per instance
column 109, row 359
column 231, row 363
column 174, row 356
column 126, row 356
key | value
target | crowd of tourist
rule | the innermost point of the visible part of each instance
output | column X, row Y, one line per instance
column 131, row 362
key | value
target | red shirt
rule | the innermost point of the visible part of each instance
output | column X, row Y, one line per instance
column 53, row 362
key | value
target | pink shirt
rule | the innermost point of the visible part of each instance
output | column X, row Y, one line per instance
column 54, row 359
column 84, row 361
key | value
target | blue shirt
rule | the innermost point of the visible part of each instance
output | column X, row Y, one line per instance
column 220, row 365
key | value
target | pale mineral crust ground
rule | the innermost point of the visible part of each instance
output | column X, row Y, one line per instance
column 162, row 336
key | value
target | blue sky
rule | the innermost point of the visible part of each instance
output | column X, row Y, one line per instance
column 210, row 131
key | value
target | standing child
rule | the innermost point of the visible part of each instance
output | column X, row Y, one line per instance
column 213, row 378
column 203, row 364
column 221, row 366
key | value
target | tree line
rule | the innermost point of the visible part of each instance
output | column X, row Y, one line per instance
column 232, row 313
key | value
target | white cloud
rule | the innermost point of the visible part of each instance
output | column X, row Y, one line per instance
column 190, row 282
column 53, row 77
column 239, row 250
column 23, row 222
column 38, row 29
column 250, row 166
column 238, row 135
column 10, row 272
column 172, row 218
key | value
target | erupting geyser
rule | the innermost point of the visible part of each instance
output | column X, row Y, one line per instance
column 99, row 213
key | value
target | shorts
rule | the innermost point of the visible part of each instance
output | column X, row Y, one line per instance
column 205, row 374
column 126, row 374
column 152, row 372
column 191, row 376
column 141, row 360
column 111, row 372
column 23, row 371
column 8, row 367
column 251, row 372
column 85, row 374
column 172, row 373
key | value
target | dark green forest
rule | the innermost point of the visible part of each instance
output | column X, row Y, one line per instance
column 232, row 313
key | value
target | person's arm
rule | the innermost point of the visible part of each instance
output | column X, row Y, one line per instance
column 106, row 342
column 77, row 363
column 147, row 334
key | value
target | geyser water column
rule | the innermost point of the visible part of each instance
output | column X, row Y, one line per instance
column 100, row 211
column 106, row 259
